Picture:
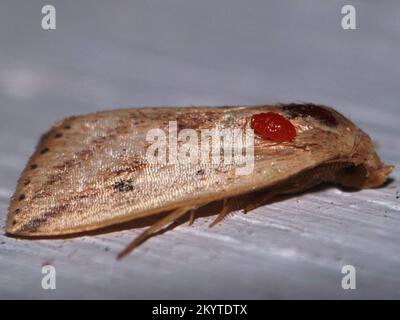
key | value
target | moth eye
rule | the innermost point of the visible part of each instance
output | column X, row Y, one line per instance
column 352, row 176
column 273, row 126
column 352, row 169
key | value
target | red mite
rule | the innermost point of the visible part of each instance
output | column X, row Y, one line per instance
column 273, row 126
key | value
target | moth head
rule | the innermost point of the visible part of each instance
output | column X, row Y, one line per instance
column 366, row 169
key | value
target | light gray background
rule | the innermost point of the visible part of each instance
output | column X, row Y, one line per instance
column 112, row 54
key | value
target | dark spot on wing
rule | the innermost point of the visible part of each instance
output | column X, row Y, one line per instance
column 200, row 172
column 197, row 120
column 83, row 155
column 123, row 186
column 34, row 224
column 53, row 179
column 132, row 164
column 21, row 197
column 45, row 150
column 311, row 110
column 67, row 164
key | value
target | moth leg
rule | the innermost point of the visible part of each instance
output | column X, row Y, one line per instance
column 228, row 206
column 173, row 216
column 192, row 217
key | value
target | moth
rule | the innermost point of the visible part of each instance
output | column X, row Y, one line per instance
column 93, row 171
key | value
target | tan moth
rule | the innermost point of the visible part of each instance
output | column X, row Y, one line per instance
column 91, row 171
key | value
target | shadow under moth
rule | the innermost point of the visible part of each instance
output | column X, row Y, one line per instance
column 104, row 169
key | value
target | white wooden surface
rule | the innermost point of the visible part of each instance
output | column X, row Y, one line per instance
column 107, row 54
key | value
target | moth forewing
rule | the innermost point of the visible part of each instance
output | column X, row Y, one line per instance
column 94, row 170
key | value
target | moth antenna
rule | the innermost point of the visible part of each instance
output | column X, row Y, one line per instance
column 173, row 216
